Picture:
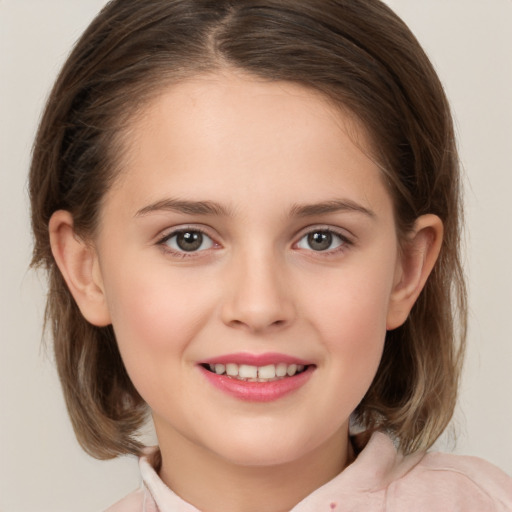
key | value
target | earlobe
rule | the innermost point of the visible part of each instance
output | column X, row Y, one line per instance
column 78, row 263
column 417, row 260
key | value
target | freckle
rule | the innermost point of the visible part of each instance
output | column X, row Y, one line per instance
column 333, row 505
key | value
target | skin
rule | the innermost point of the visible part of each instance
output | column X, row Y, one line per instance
column 260, row 151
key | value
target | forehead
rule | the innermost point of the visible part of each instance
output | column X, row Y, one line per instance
column 227, row 134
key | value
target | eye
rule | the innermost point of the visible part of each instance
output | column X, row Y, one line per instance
column 187, row 240
column 321, row 240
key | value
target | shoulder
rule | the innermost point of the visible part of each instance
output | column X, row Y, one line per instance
column 141, row 500
column 442, row 481
column 137, row 501
column 382, row 478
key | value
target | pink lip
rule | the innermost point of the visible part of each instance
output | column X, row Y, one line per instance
column 256, row 359
column 257, row 391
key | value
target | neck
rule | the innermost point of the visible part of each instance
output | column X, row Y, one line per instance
column 212, row 483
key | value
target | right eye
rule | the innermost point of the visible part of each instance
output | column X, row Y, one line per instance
column 187, row 241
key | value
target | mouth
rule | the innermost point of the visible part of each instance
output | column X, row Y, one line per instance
column 257, row 378
column 251, row 373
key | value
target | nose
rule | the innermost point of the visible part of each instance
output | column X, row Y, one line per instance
column 258, row 297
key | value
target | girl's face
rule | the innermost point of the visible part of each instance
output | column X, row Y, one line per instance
column 250, row 231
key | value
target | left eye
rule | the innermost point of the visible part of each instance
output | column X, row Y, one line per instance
column 188, row 241
column 321, row 240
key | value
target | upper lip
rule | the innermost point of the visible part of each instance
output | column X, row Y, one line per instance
column 255, row 359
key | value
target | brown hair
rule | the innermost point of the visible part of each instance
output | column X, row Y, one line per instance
column 361, row 56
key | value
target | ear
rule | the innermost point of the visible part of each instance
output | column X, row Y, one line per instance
column 78, row 263
column 418, row 256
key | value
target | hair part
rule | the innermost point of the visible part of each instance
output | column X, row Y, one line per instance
column 361, row 57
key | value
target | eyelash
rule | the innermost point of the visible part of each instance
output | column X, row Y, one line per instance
column 162, row 242
column 344, row 241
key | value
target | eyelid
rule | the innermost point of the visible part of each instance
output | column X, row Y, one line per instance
column 342, row 232
column 348, row 239
column 176, row 230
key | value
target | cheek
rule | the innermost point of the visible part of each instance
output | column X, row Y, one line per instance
column 351, row 316
column 355, row 339
column 152, row 306
column 154, row 324
column 155, row 314
column 354, row 343
column 353, row 303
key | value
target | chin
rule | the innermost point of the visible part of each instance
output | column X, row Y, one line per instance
column 254, row 448
column 271, row 455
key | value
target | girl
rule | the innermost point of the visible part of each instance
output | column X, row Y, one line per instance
column 250, row 215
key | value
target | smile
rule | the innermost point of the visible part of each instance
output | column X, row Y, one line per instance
column 250, row 373
column 257, row 378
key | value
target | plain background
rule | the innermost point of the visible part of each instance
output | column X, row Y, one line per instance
column 42, row 467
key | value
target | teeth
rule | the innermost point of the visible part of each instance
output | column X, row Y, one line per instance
column 232, row 369
column 281, row 369
column 292, row 370
column 267, row 372
column 257, row 373
column 247, row 372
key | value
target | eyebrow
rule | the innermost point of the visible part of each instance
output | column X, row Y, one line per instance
column 186, row 207
column 213, row 208
column 332, row 206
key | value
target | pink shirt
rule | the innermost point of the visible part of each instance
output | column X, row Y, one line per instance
column 379, row 480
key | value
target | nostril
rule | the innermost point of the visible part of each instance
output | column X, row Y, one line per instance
column 257, row 324
column 237, row 323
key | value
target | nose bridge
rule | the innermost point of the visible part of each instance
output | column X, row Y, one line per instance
column 258, row 296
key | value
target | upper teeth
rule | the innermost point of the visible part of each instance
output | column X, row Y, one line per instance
column 249, row 372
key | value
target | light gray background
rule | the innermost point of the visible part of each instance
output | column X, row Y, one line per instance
column 41, row 466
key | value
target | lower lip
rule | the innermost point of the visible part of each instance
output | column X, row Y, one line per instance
column 258, row 391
